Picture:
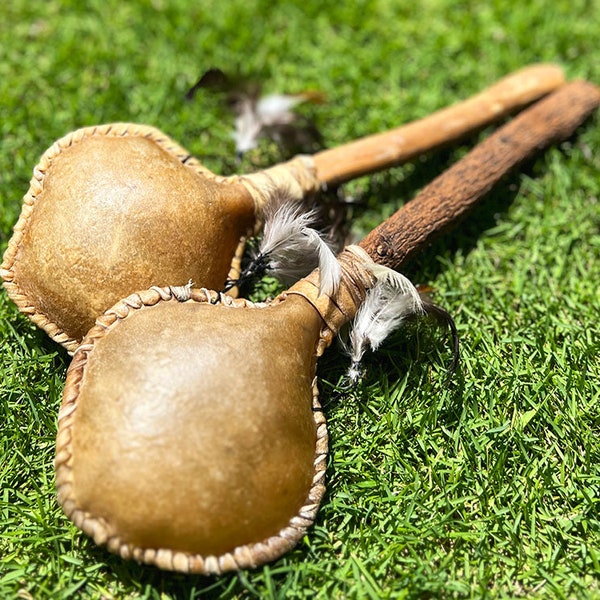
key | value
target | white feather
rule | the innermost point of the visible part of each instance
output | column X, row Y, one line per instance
column 248, row 127
column 330, row 271
column 254, row 115
column 275, row 109
column 387, row 305
column 294, row 248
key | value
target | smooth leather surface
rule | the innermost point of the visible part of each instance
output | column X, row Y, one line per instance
column 117, row 215
column 194, row 429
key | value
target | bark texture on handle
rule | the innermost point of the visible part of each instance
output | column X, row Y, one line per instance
column 451, row 195
column 380, row 151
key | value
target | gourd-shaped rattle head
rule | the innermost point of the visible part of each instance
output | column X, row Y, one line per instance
column 202, row 447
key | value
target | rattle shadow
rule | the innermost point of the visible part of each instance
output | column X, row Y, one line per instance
column 145, row 578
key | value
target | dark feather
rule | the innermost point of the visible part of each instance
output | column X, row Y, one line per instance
column 443, row 319
column 213, row 79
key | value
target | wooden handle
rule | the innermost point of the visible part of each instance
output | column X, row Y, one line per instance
column 451, row 195
column 380, row 151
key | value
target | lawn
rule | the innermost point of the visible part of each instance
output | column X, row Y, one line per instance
column 488, row 486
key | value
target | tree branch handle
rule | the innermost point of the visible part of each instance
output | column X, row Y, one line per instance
column 451, row 195
column 383, row 150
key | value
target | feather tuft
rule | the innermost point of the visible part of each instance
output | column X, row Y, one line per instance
column 255, row 117
column 291, row 248
column 387, row 305
column 330, row 271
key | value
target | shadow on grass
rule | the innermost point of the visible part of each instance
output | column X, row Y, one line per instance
column 150, row 582
column 418, row 354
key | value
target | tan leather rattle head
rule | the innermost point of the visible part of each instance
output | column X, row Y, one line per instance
column 120, row 207
column 199, row 449
column 116, row 206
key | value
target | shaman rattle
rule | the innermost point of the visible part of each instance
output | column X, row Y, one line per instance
column 190, row 434
column 117, row 208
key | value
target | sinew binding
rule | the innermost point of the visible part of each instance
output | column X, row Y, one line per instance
column 117, row 208
column 190, row 434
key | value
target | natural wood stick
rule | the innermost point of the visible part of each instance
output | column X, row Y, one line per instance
column 380, row 151
column 451, row 195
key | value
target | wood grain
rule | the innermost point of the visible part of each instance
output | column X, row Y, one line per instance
column 453, row 194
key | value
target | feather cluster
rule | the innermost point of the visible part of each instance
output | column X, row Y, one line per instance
column 258, row 115
column 267, row 115
column 291, row 248
column 387, row 305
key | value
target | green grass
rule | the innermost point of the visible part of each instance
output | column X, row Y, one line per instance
column 487, row 487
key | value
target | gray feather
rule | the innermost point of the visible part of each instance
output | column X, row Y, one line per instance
column 387, row 305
